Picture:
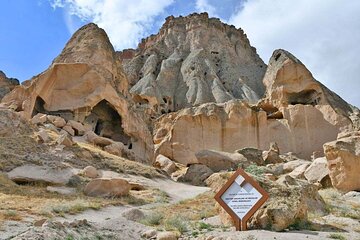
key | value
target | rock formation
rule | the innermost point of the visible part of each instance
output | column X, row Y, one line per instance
column 85, row 83
column 191, row 61
column 196, row 85
column 343, row 156
column 287, row 115
column 6, row 84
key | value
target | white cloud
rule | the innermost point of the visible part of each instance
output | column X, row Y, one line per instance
column 324, row 35
column 205, row 6
column 126, row 22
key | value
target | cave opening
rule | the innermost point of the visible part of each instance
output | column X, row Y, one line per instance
column 306, row 97
column 106, row 122
column 39, row 106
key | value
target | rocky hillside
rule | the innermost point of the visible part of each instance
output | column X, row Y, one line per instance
column 191, row 61
column 142, row 132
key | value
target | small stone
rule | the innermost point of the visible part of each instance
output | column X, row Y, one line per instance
column 107, row 187
column 39, row 118
column 40, row 223
column 78, row 127
column 69, row 130
column 65, row 139
column 149, row 234
column 167, row 236
column 90, row 172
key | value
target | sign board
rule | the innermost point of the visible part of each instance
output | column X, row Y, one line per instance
column 241, row 196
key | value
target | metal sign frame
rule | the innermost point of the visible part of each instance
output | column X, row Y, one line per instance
column 240, row 224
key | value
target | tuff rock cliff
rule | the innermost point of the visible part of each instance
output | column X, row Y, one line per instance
column 197, row 84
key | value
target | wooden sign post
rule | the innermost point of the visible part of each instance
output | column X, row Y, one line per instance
column 241, row 197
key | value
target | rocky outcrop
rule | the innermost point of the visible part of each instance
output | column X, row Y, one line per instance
column 85, row 84
column 234, row 125
column 343, row 156
column 196, row 85
column 41, row 174
column 6, row 84
column 191, row 61
column 318, row 172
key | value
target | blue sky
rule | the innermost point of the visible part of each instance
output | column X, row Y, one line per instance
column 323, row 34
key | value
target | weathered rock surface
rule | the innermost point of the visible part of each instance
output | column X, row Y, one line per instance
column 57, row 121
column 299, row 171
column 65, row 139
column 234, row 124
column 253, row 155
column 272, row 155
column 85, row 83
column 318, row 172
column 90, row 172
column 343, row 156
column 217, row 160
column 165, row 164
column 196, row 174
column 291, row 165
column 6, row 84
column 107, row 187
column 33, row 173
column 191, row 61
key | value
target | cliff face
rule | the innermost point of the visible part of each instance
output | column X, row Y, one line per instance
column 6, row 84
column 197, row 84
column 191, row 61
column 86, row 83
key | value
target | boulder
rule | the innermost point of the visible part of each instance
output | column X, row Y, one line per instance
column 78, row 127
column 67, row 128
column 107, row 187
column 299, row 171
column 252, row 154
column 91, row 137
column 65, row 139
column 43, row 136
column 343, row 157
column 218, row 160
column 90, row 172
column 196, row 174
column 33, row 173
column 165, row 164
column 318, row 172
column 116, row 148
column 58, row 122
column 291, row 165
column 272, row 155
column 39, row 118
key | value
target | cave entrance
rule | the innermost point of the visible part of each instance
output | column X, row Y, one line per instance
column 106, row 122
column 306, row 97
column 38, row 106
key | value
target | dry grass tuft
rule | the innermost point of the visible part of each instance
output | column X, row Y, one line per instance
column 103, row 160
